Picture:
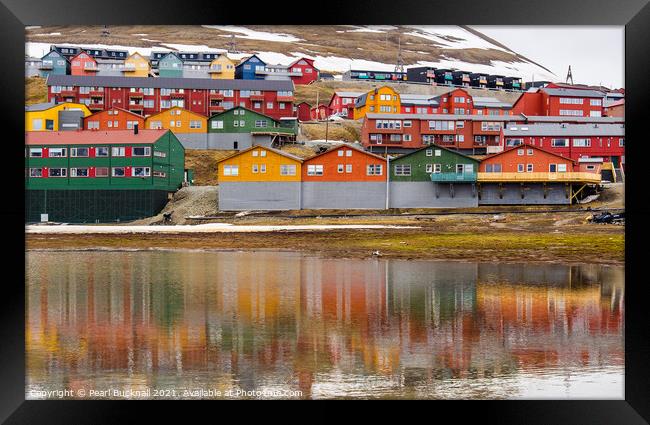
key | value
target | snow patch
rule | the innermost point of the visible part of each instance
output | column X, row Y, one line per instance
column 45, row 35
column 255, row 35
column 460, row 38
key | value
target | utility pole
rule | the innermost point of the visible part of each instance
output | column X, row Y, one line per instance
column 569, row 77
column 399, row 65
column 232, row 44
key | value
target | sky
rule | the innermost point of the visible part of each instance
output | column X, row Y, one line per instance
column 596, row 53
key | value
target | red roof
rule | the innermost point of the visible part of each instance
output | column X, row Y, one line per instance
column 526, row 145
column 92, row 137
column 617, row 103
column 126, row 111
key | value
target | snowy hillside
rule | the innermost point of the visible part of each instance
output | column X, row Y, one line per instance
column 334, row 48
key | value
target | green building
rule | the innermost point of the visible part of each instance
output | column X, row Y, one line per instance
column 170, row 66
column 433, row 177
column 240, row 128
column 100, row 176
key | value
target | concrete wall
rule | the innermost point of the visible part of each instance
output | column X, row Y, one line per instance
column 226, row 141
column 431, row 195
column 343, row 195
column 70, row 120
column 533, row 194
column 193, row 140
column 196, row 73
column 240, row 196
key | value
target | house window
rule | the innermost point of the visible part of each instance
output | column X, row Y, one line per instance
column 257, row 105
column 79, row 152
column 438, row 152
column 520, row 152
column 529, row 168
column 195, row 124
column 407, row 124
column 339, row 168
column 217, row 125
column 35, row 172
column 428, row 152
column 261, row 123
column 314, row 170
column 429, row 168
column 348, row 153
column 255, row 153
column 231, row 170
column 407, row 137
column 520, row 168
column 59, row 172
column 142, row 151
column 262, row 153
column 348, row 168
column 255, row 168
column 101, row 151
column 621, row 143
column 581, row 143
column 529, row 152
column 79, row 172
column 141, row 172
column 160, row 154
column 101, row 172
column 287, row 170
column 56, row 152
column 403, row 170
column 118, row 172
column 37, row 124
column 552, row 168
column 263, row 168
column 93, row 125
column 591, row 167
column 561, row 168
column 341, row 152
column 559, row 143
column 117, row 151
column 269, row 105
column 374, row 170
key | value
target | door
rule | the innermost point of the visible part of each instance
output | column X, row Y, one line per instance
column 552, row 168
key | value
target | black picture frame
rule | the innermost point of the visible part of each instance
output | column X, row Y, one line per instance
column 634, row 14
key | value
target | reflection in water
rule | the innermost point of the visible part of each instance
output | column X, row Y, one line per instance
column 326, row 327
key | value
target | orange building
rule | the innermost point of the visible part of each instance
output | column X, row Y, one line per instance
column 83, row 64
column 113, row 119
column 526, row 159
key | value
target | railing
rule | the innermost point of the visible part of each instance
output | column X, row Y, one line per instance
column 286, row 98
column 136, row 94
column 453, row 177
column 96, row 93
column 68, row 93
column 215, row 70
column 91, row 67
column 540, row 177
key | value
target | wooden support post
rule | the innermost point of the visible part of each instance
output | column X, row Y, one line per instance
column 575, row 195
column 500, row 190
column 451, row 189
column 545, row 186
column 521, row 190
column 437, row 190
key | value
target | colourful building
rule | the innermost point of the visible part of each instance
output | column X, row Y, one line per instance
column 189, row 127
column 113, row 119
column 433, row 177
column 344, row 177
column 52, row 116
column 240, row 128
column 302, row 111
column 100, row 176
column 54, row 63
column 83, row 64
column 342, row 103
column 381, row 100
column 222, row 68
column 136, row 65
column 304, row 71
column 250, row 68
column 560, row 101
column 170, row 65
column 259, row 178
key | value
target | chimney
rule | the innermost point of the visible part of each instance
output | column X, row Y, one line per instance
column 135, row 128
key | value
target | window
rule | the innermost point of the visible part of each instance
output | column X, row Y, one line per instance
column 490, row 126
column 348, row 168
column 255, row 168
column 428, row 152
column 287, row 170
column 493, row 168
column 101, row 172
column 529, row 168
column 37, row 124
column 529, row 152
column 571, row 112
column 141, row 172
column 438, row 152
column 340, row 152
column 437, row 168
column 79, row 172
column 571, row 100
column 314, row 170
column 514, row 142
column 93, row 125
column 460, row 138
column 56, row 152
column 339, row 168
column 621, row 143
column 348, row 153
column 159, row 174
column 552, row 168
column 231, row 170
column 441, row 125
column 118, row 172
column 407, row 138
column 561, row 168
column 216, row 125
column 269, row 105
column 581, row 143
column 403, row 170
column 141, row 151
column 35, row 172
column 559, row 143
column 261, row 123
column 101, row 151
column 117, row 151
column 262, row 153
column 374, row 170
column 460, row 124
column 429, row 168
column 79, row 152
column 407, row 124
column 263, row 168
column 195, row 124
column 595, row 102
column 520, row 168
column 59, row 172
column 520, row 152
column 155, row 125
column 591, row 167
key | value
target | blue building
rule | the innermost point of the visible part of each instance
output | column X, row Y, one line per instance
column 54, row 63
column 247, row 69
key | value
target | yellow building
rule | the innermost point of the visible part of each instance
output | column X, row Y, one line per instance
column 383, row 100
column 222, row 68
column 259, row 163
column 178, row 120
column 136, row 65
column 55, row 116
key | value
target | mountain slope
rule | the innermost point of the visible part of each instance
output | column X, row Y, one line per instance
column 335, row 48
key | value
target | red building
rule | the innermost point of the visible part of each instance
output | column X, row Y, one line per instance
column 147, row 96
column 551, row 101
column 342, row 103
column 83, row 64
column 302, row 111
column 113, row 119
column 616, row 109
column 572, row 141
column 526, row 159
column 319, row 112
column 308, row 72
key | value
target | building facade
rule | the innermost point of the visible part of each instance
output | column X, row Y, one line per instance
column 380, row 100
column 189, row 127
column 54, row 63
column 259, row 178
column 52, row 116
column 549, row 101
column 136, row 65
column 251, row 68
column 113, row 119
column 344, row 178
column 97, row 176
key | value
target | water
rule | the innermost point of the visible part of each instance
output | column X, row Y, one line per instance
column 182, row 324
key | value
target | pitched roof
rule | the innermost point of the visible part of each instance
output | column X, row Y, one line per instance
column 527, row 146
column 247, row 58
column 126, row 111
column 92, row 137
column 345, row 145
column 570, row 119
column 244, row 108
column 434, row 146
column 348, row 93
column 49, row 105
column 572, row 92
column 279, row 152
column 548, row 129
column 490, row 102
column 196, row 114
column 170, row 83
column 449, row 117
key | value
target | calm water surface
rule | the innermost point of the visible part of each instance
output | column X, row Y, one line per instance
column 183, row 324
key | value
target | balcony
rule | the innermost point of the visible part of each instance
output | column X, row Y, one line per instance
column 568, row 177
column 46, row 66
column 257, row 97
column 215, row 96
column 128, row 68
column 215, row 70
column 91, row 68
column 68, row 93
column 453, row 177
column 136, row 95
column 177, row 95
column 216, row 108
column 96, row 93
column 286, row 98
column 96, row 106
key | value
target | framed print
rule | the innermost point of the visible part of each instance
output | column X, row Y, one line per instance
column 394, row 202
